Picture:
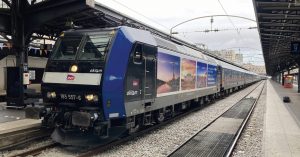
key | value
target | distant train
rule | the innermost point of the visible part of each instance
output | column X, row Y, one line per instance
column 101, row 83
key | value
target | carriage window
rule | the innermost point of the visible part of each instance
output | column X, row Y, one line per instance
column 138, row 55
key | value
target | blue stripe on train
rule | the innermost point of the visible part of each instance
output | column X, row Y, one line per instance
column 114, row 76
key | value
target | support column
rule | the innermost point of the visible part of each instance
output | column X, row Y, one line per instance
column 298, row 78
column 282, row 78
column 18, row 48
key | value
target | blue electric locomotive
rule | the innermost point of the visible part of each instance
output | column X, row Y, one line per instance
column 102, row 83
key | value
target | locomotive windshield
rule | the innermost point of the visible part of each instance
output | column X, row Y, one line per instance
column 95, row 48
column 86, row 47
column 66, row 48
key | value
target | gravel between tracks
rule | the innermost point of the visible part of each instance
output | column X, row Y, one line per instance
column 251, row 140
column 163, row 141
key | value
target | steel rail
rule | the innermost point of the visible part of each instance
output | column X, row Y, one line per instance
column 36, row 151
column 16, row 138
column 210, row 123
column 240, row 131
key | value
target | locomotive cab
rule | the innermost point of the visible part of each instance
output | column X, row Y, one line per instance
column 71, row 85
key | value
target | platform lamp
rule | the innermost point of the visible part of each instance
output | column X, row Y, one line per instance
column 70, row 24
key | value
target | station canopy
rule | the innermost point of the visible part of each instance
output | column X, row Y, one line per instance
column 279, row 26
column 51, row 17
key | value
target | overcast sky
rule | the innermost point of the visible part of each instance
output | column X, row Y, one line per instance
column 164, row 14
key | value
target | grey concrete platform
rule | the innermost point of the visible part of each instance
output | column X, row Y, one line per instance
column 12, row 120
column 281, row 126
column 2, row 92
column 2, row 95
column 13, row 126
column 8, row 115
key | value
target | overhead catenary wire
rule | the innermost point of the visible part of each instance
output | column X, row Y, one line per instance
column 228, row 16
column 136, row 12
column 216, row 30
column 238, row 32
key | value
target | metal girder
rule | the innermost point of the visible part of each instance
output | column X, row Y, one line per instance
column 281, row 17
column 279, row 8
column 41, row 13
column 267, row 3
column 5, row 24
column 7, row 2
column 280, row 30
column 38, row 14
column 279, row 25
column 277, row 15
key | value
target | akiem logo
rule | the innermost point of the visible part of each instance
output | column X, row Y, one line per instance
column 70, row 77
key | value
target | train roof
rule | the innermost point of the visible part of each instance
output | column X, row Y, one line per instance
column 87, row 31
column 134, row 35
column 144, row 36
column 229, row 66
column 183, row 50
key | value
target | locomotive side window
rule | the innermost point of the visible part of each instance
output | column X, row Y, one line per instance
column 138, row 54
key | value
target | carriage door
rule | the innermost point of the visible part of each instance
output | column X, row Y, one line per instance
column 149, row 83
column 219, row 78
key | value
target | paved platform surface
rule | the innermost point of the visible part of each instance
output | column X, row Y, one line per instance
column 281, row 129
column 2, row 95
column 2, row 92
column 8, row 115
column 18, row 125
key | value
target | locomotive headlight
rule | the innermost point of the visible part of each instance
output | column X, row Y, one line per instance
column 51, row 95
column 74, row 68
column 91, row 97
column 95, row 98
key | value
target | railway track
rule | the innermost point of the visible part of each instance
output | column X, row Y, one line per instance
column 207, row 140
column 103, row 147
column 239, row 133
column 13, row 139
column 37, row 151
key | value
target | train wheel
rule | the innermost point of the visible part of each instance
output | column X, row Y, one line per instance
column 133, row 124
column 159, row 116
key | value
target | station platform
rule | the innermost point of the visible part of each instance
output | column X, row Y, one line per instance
column 282, row 122
column 2, row 92
column 18, row 125
column 8, row 115
column 2, row 95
